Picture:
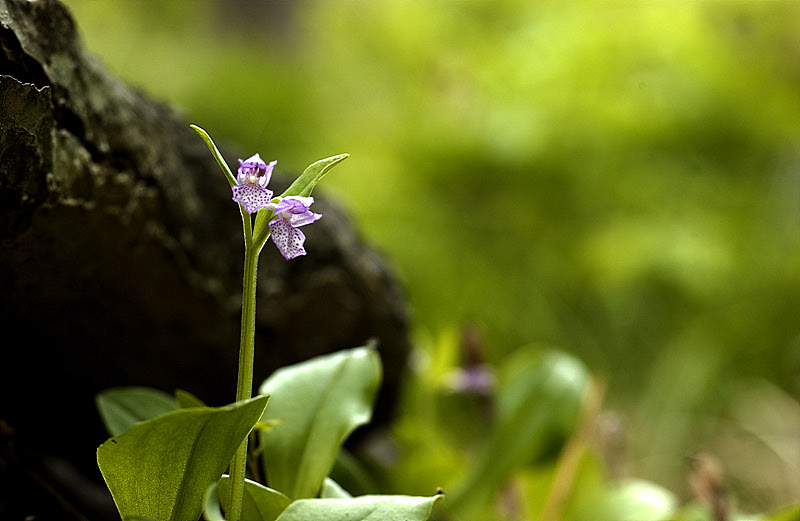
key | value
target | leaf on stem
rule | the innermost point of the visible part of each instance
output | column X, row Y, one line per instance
column 215, row 152
column 321, row 402
column 304, row 184
column 259, row 502
column 161, row 468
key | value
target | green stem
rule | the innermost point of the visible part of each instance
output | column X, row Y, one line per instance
column 244, row 388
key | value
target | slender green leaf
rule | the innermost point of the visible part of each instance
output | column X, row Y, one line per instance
column 161, row 468
column 321, row 401
column 259, row 504
column 215, row 152
column 332, row 490
column 122, row 407
column 364, row 508
column 185, row 399
column 304, row 184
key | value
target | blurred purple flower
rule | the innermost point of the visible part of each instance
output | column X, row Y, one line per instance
column 291, row 213
column 474, row 379
column 252, row 192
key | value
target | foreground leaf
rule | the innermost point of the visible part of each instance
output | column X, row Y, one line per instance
column 122, row 407
column 321, row 402
column 364, row 508
column 161, row 468
column 260, row 503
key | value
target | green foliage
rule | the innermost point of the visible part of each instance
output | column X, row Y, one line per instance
column 186, row 399
column 302, row 186
column 332, row 490
column 260, row 503
column 349, row 472
column 321, row 402
column 639, row 500
column 629, row 194
column 161, row 468
column 635, row 185
column 791, row 513
column 122, row 407
column 169, row 467
column 312, row 175
column 364, row 508
column 538, row 408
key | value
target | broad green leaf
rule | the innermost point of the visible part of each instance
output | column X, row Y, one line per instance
column 122, row 407
column 364, row 508
column 332, row 490
column 321, row 402
column 259, row 504
column 185, row 399
column 304, row 184
column 215, row 152
column 539, row 404
column 161, row 468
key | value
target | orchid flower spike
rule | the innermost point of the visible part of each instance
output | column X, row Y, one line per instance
column 289, row 214
column 252, row 192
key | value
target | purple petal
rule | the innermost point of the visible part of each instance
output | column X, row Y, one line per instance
column 251, row 196
column 294, row 204
column 255, row 166
column 288, row 239
column 305, row 218
column 304, row 201
column 294, row 208
column 268, row 171
column 476, row 379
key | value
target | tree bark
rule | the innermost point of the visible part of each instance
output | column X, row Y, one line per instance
column 121, row 254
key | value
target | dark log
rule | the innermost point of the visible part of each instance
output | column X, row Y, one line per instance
column 121, row 257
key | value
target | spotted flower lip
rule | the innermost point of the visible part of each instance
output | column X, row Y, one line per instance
column 289, row 214
column 253, row 176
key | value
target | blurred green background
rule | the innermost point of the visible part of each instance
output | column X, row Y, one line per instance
column 617, row 179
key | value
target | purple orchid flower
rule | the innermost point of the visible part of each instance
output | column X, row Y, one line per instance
column 252, row 192
column 289, row 214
